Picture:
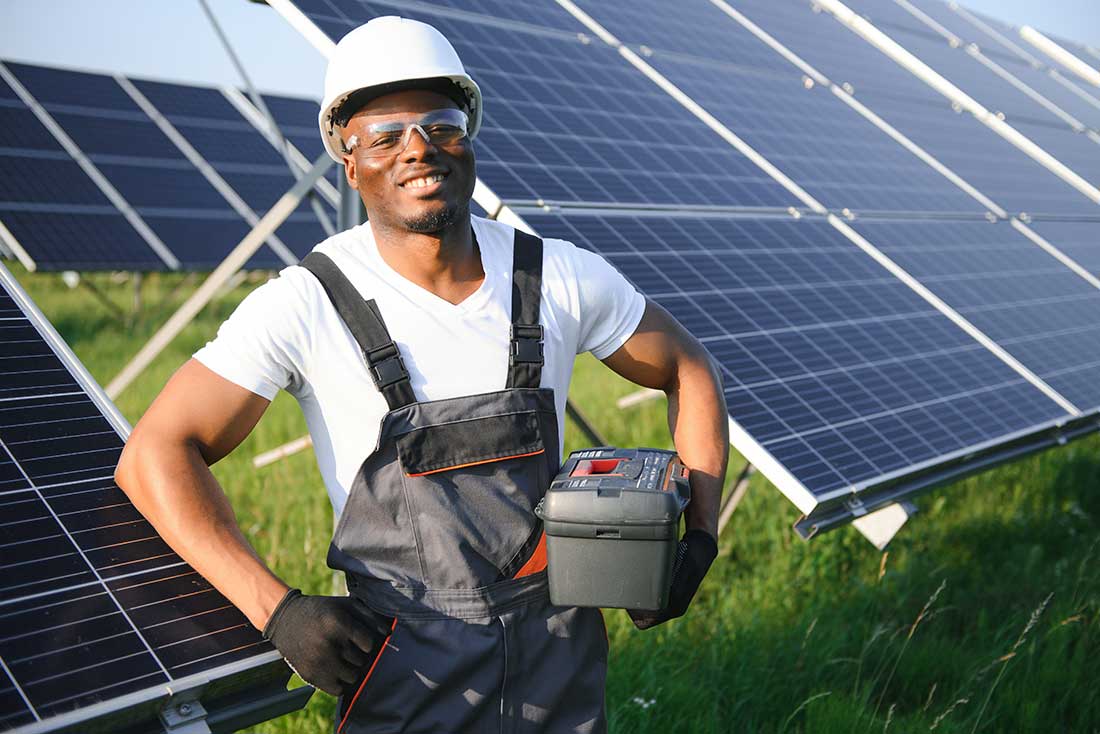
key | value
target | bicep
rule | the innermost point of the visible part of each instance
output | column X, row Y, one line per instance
column 200, row 407
column 653, row 354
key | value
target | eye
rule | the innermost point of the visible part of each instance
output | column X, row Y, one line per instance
column 444, row 133
column 385, row 140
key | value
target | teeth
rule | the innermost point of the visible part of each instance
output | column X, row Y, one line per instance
column 419, row 183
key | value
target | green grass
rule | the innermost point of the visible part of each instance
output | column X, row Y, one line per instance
column 983, row 616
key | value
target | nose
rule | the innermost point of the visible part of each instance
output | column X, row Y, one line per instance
column 417, row 143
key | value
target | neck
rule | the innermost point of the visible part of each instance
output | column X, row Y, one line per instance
column 446, row 263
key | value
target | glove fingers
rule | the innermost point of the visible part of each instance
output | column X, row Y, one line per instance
column 377, row 624
column 355, row 657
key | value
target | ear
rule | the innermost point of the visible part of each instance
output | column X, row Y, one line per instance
column 350, row 171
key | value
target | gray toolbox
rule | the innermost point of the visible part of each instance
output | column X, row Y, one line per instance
column 612, row 518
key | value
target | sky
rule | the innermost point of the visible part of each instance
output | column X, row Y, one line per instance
column 173, row 39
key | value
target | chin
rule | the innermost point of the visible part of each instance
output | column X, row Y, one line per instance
column 437, row 220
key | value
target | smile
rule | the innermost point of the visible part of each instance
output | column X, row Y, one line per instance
column 424, row 181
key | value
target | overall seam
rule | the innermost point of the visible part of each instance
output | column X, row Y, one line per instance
column 415, row 530
column 504, row 677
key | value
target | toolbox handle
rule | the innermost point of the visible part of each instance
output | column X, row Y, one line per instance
column 683, row 485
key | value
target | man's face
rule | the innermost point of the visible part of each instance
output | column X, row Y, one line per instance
column 389, row 185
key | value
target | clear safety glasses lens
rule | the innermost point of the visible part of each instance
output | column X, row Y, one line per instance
column 438, row 127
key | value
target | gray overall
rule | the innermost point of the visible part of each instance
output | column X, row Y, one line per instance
column 439, row 533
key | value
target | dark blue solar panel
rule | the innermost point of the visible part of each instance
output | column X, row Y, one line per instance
column 240, row 154
column 147, row 169
column 832, row 49
column 52, row 208
column 1087, row 111
column 65, row 87
column 829, row 363
column 1079, row 240
column 203, row 240
column 61, row 238
column 95, row 604
column 969, row 32
column 973, row 78
column 993, row 165
column 809, row 134
column 1040, row 311
column 567, row 119
column 1076, row 150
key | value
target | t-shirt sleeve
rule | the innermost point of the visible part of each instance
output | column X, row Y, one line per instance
column 610, row 307
column 264, row 345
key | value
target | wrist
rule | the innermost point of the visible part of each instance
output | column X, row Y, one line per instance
column 272, row 619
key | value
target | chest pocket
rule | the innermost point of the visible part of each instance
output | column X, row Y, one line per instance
column 471, row 487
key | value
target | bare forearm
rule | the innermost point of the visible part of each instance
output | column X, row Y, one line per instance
column 172, row 487
column 700, row 430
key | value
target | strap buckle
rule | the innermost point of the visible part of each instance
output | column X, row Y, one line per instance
column 526, row 345
column 386, row 366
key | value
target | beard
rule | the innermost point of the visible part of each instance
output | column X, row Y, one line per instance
column 439, row 220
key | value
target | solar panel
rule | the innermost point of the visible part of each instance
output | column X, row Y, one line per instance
column 995, row 167
column 233, row 147
column 99, row 620
column 39, row 182
column 1041, row 312
column 167, row 191
column 1064, row 93
column 832, row 49
column 568, row 120
column 826, row 147
column 830, row 365
column 1078, row 240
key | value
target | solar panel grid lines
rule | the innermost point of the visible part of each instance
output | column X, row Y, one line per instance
column 997, row 88
column 74, row 177
column 1007, row 40
column 822, row 144
column 1079, row 240
column 822, row 354
column 97, row 612
column 1027, row 302
column 215, row 138
column 962, row 101
column 569, row 121
column 811, row 33
column 286, row 141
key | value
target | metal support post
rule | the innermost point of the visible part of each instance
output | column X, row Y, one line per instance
column 210, row 287
column 351, row 213
column 733, row 498
column 258, row 102
column 581, row 422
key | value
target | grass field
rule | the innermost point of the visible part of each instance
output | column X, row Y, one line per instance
column 984, row 616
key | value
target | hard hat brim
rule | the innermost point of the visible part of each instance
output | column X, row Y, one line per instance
column 461, row 89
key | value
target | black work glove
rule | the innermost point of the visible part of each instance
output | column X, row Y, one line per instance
column 696, row 551
column 328, row 640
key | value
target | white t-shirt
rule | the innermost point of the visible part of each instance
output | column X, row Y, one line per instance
column 286, row 335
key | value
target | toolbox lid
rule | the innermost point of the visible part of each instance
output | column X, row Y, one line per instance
column 611, row 487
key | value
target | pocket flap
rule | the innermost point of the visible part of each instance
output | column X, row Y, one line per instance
column 467, row 443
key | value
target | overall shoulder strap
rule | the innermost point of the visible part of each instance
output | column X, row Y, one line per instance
column 525, row 352
column 365, row 322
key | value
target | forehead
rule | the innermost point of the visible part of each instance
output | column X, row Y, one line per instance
column 398, row 104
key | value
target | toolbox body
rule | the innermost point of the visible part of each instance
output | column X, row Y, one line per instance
column 611, row 519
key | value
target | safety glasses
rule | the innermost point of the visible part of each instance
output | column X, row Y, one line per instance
column 438, row 127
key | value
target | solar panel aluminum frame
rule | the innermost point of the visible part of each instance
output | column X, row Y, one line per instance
column 228, row 697
column 840, row 507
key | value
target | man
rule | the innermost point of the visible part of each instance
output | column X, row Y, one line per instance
column 436, row 413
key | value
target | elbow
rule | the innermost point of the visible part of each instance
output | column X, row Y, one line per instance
column 126, row 469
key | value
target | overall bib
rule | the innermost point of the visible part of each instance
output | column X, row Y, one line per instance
column 439, row 532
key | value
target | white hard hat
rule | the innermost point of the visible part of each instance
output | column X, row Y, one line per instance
column 393, row 53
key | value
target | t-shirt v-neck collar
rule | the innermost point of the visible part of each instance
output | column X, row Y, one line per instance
column 424, row 297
